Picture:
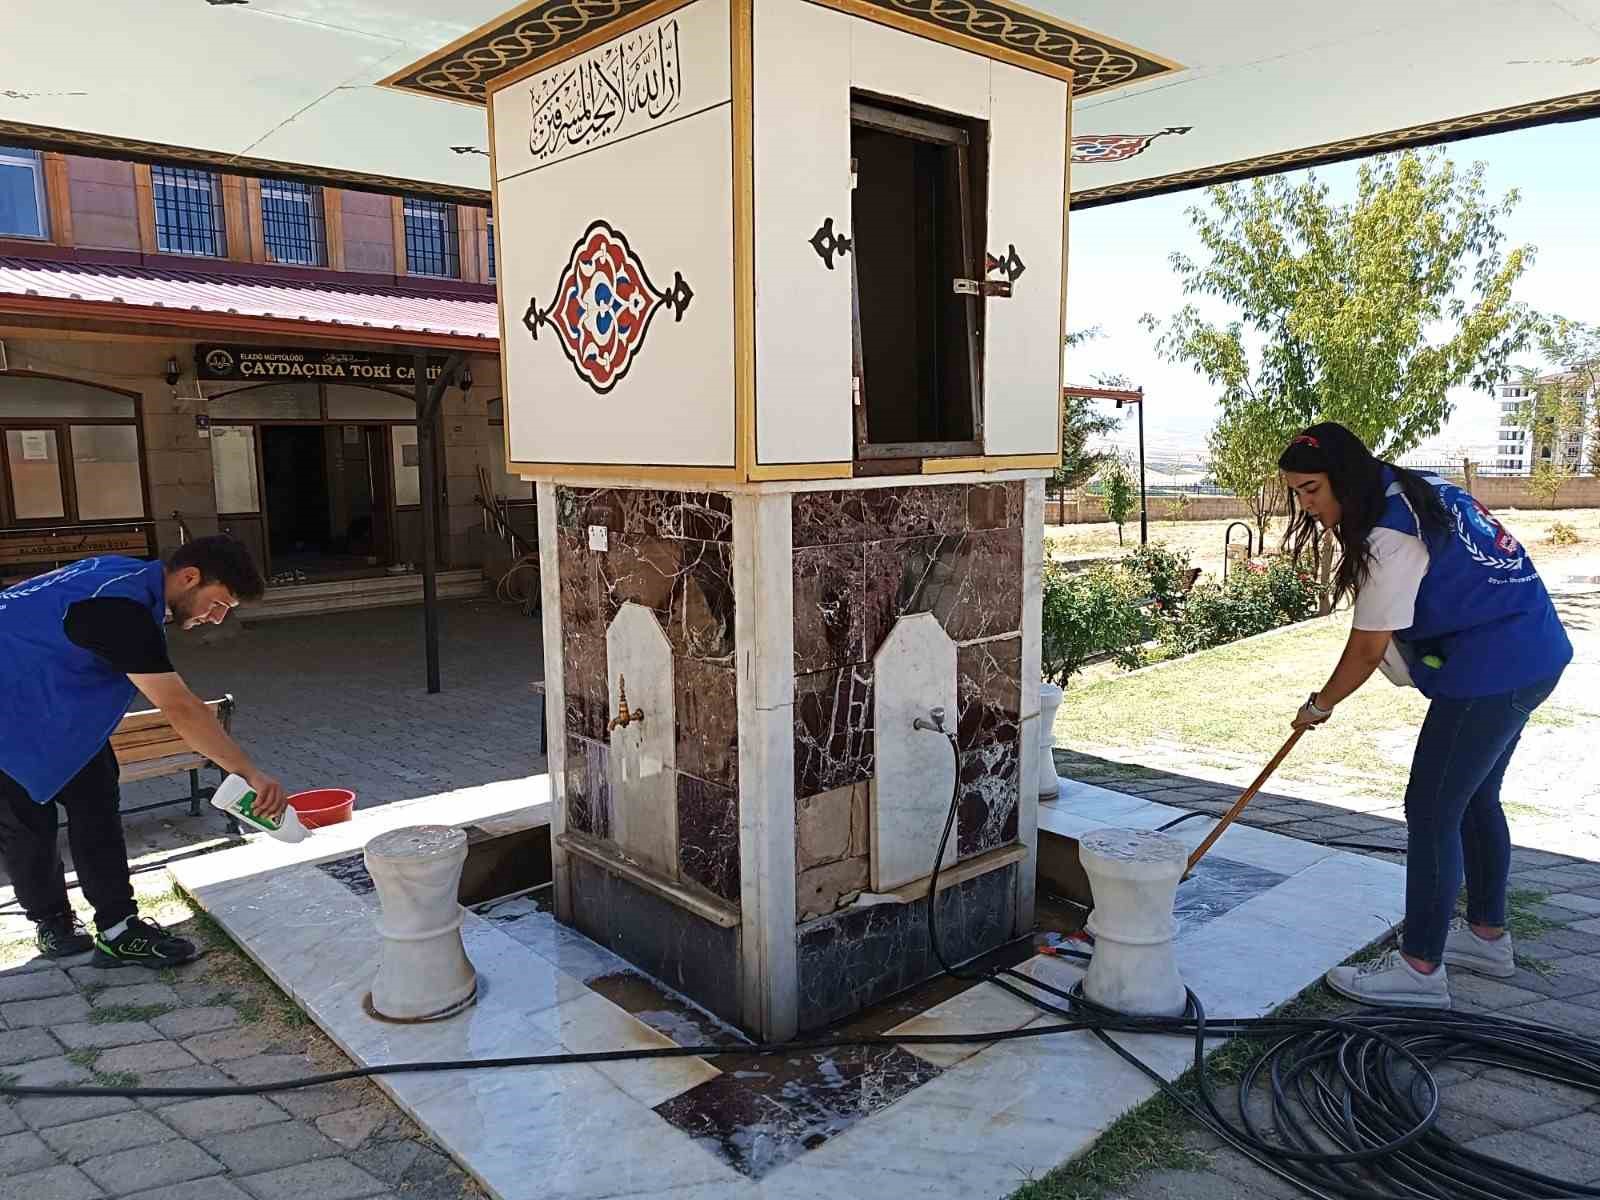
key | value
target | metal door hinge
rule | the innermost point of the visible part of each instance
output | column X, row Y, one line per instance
column 999, row 288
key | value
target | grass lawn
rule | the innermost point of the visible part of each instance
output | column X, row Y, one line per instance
column 1235, row 702
column 1203, row 539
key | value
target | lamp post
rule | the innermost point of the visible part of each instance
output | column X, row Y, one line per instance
column 1137, row 397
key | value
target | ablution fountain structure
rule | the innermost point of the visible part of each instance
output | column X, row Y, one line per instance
column 782, row 290
column 782, row 303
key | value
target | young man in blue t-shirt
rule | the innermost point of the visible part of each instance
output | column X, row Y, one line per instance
column 76, row 645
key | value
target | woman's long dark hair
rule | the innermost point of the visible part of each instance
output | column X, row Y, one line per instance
column 1357, row 479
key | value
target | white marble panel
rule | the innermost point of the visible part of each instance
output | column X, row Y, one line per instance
column 914, row 671
column 982, row 1007
column 644, row 756
column 763, row 575
column 555, row 692
column 1032, row 635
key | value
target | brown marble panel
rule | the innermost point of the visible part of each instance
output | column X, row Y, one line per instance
column 580, row 584
column 708, row 721
column 829, row 607
column 988, row 692
column 698, row 516
column 987, row 815
column 638, row 570
column 833, row 737
column 589, row 787
column 588, row 696
column 579, row 508
column 647, row 512
column 995, row 505
column 876, row 514
column 700, row 621
column 971, row 582
column 708, row 836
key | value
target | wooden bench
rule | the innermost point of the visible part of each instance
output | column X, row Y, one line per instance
column 148, row 747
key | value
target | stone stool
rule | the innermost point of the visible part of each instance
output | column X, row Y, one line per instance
column 425, row 974
column 1134, row 875
column 1050, row 697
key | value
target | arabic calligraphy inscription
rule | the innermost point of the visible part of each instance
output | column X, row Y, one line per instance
column 628, row 84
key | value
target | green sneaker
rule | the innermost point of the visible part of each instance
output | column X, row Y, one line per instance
column 143, row 944
column 62, row 937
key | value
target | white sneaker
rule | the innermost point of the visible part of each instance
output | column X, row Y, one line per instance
column 1391, row 980
column 1465, row 949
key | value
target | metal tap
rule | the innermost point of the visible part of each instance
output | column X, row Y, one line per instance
column 624, row 718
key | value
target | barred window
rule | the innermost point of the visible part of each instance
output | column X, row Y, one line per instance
column 188, row 212
column 491, row 249
column 433, row 239
column 292, row 223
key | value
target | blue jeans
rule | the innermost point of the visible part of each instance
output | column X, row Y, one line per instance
column 1455, row 826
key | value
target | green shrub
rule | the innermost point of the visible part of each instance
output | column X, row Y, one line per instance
column 1163, row 569
column 1256, row 598
column 1562, row 534
column 1091, row 613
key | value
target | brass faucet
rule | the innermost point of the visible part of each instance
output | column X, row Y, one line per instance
column 624, row 718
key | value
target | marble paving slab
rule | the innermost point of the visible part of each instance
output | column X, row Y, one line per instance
column 971, row 1121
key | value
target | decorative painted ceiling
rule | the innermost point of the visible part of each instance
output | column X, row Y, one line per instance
column 1169, row 95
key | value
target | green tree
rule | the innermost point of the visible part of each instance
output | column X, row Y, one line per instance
column 1567, row 401
column 1549, row 476
column 1245, row 444
column 1116, row 486
column 1366, row 312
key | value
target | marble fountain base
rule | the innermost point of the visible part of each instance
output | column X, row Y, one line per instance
column 1254, row 929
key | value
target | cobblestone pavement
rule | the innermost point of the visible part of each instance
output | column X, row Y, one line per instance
column 217, row 1021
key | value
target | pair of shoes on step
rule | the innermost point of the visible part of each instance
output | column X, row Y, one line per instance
column 1391, row 981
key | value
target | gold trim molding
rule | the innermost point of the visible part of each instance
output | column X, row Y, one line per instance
column 470, row 68
column 1579, row 106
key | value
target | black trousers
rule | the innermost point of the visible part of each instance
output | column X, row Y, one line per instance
column 31, row 849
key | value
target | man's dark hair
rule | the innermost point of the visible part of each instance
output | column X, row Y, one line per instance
column 221, row 559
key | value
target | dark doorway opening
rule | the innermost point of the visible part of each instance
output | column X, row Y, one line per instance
column 298, row 517
column 327, row 500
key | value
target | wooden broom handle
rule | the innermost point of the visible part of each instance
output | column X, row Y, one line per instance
column 1238, row 805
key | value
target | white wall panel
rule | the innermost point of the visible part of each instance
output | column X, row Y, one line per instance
column 669, row 192
column 802, row 178
column 1022, row 351
column 905, row 67
column 661, row 72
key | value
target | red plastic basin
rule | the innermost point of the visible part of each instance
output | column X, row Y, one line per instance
column 323, row 806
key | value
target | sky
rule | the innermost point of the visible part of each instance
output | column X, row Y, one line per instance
column 1118, row 270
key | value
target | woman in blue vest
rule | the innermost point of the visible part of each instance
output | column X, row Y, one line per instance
column 1446, row 601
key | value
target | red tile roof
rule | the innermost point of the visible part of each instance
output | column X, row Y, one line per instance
column 159, row 294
